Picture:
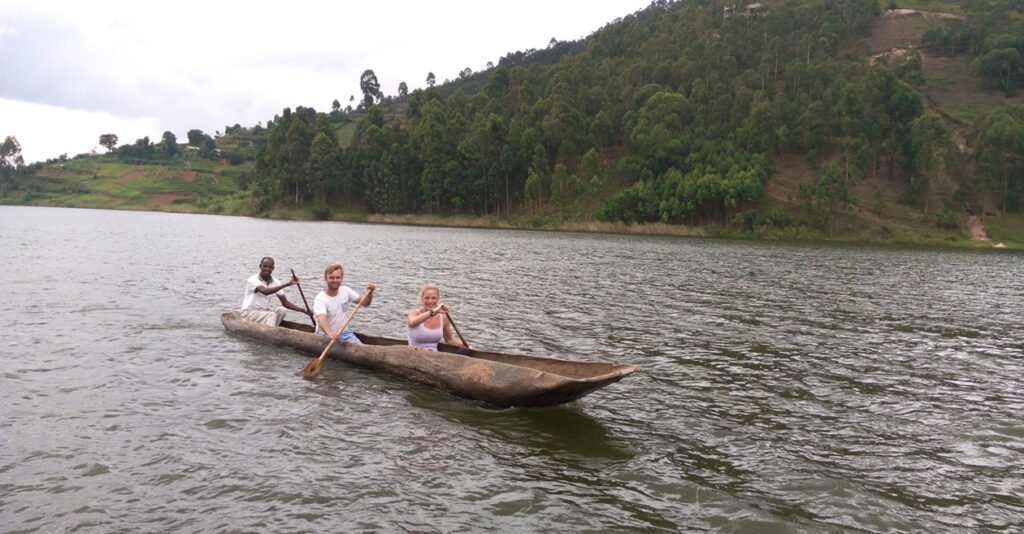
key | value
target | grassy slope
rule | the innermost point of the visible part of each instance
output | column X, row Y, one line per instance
column 188, row 184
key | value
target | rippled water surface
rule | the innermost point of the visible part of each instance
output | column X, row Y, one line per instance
column 781, row 387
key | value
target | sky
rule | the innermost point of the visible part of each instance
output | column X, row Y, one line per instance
column 73, row 70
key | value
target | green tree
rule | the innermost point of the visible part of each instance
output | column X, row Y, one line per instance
column 890, row 106
column 403, row 90
column 933, row 152
column 10, row 162
column 370, row 87
column 169, row 144
column 109, row 141
column 590, row 166
column 294, row 154
column 1004, row 65
column 436, row 138
column 532, row 189
column 831, row 197
column 660, row 135
column 197, row 137
column 481, row 147
column 602, row 130
column 322, row 165
column 431, row 80
column 1001, row 154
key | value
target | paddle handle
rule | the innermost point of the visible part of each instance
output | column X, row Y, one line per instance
column 304, row 300
column 342, row 329
column 450, row 320
column 324, row 353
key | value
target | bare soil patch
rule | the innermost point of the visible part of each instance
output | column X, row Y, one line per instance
column 897, row 28
column 166, row 199
column 188, row 176
column 975, row 229
column 790, row 170
column 130, row 177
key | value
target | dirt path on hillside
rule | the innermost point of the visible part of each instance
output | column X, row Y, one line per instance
column 976, row 230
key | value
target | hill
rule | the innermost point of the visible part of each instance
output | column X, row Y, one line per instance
column 782, row 119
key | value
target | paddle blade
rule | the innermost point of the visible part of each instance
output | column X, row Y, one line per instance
column 312, row 368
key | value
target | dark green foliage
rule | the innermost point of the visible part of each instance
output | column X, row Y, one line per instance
column 11, row 162
column 1003, row 66
column 948, row 220
column 322, row 212
column 707, row 188
column 169, row 144
column 747, row 220
column 827, row 198
column 141, row 151
column 779, row 218
column 1000, row 155
column 370, row 87
column 108, row 141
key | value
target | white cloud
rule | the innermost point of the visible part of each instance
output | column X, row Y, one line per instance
column 146, row 67
column 70, row 131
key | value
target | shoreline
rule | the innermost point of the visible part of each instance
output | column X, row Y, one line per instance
column 799, row 234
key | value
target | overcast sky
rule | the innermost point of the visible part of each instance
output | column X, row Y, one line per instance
column 72, row 70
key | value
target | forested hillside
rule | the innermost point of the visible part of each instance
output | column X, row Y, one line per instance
column 681, row 113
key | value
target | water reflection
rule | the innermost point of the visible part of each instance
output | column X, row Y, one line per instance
column 564, row 429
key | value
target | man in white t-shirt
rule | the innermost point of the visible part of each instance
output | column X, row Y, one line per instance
column 332, row 304
column 257, row 305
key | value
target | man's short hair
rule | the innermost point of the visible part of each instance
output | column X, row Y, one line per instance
column 333, row 267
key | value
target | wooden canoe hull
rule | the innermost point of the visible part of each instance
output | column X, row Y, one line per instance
column 502, row 380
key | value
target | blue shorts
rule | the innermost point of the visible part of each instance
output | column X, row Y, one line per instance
column 348, row 336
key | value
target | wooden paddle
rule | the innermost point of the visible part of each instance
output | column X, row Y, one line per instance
column 450, row 320
column 308, row 312
column 313, row 368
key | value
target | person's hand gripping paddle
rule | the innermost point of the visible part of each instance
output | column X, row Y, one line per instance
column 313, row 367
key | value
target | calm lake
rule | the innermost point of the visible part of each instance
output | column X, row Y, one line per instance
column 781, row 387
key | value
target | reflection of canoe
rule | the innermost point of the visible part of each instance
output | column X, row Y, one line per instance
column 495, row 378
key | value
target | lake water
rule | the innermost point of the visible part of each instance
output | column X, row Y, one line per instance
column 781, row 387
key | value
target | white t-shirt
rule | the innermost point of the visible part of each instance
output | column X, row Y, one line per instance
column 335, row 308
column 258, row 301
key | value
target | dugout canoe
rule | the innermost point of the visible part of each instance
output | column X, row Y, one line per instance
column 499, row 379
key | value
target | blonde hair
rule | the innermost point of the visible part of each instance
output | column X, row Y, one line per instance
column 427, row 287
column 333, row 267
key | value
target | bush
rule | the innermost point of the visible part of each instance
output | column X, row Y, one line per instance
column 747, row 220
column 779, row 218
column 886, row 231
column 322, row 212
column 948, row 220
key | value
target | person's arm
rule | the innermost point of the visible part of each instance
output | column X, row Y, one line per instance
column 294, row 307
column 367, row 298
column 268, row 290
column 326, row 327
column 417, row 317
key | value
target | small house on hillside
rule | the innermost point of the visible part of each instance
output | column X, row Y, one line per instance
column 746, row 11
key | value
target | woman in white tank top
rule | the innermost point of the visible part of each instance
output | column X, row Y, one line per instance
column 428, row 324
